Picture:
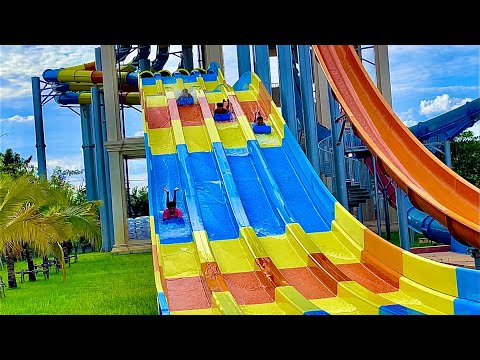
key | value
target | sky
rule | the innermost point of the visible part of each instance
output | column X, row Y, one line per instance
column 426, row 81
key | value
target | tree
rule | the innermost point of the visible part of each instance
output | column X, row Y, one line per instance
column 13, row 164
column 139, row 202
column 37, row 214
column 465, row 155
column 21, row 220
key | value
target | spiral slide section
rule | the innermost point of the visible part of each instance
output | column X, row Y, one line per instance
column 430, row 185
column 261, row 232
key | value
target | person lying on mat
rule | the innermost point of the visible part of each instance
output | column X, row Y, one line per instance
column 259, row 119
column 171, row 212
column 221, row 109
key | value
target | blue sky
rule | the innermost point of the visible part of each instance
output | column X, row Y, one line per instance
column 426, row 81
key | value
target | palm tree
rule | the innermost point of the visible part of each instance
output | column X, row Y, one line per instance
column 37, row 215
column 82, row 217
column 21, row 220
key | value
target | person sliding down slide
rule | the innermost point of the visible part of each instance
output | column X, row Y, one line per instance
column 171, row 212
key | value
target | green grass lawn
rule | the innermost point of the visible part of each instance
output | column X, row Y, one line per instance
column 395, row 239
column 98, row 284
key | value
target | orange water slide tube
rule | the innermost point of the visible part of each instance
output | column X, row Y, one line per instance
column 430, row 185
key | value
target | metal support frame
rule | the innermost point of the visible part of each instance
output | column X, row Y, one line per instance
column 402, row 219
column 39, row 130
column 338, row 153
column 375, row 195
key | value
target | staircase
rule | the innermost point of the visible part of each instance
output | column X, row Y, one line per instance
column 357, row 194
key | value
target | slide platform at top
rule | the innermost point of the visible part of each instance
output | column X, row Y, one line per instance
column 261, row 232
column 430, row 185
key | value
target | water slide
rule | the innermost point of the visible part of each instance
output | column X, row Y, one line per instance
column 430, row 185
column 440, row 128
column 261, row 233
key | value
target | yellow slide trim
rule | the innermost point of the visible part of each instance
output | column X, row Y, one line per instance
column 155, row 101
column 178, row 132
column 332, row 248
column 180, row 260
column 352, row 226
column 430, row 273
column 197, row 139
column 246, row 127
column 148, row 90
column 232, row 256
column 161, row 141
column 345, row 239
column 402, row 298
column 282, row 252
column 202, row 244
column 226, row 304
column 303, row 243
column 291, row 301
column 431, row 298
column 364, row 300
column 252, row 246
column 212, row 130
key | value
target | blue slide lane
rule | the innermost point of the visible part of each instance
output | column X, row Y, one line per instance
column 165, row 172
column 217, row 215
column 322, row 198
column 293, row 191
column 262, row 216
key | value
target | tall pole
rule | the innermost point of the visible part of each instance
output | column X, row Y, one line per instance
column 262, row 65
column 375, row 196
column 287, row 90
column 108, row 186
column 88, row 147
column 448, row 153
column 306, row 80
column 338, row 152
column 243, row 59
column 402, row 219
column 100, row 164
column 187, row 57
column 39, row 133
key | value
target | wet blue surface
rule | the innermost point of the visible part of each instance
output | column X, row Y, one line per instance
column 260, row 213
column 295, row 195
column 218, row 219
column 166, row 173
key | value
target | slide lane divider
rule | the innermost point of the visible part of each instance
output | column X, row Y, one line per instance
column 249, row 239
column 211, row 276
column 284, row 293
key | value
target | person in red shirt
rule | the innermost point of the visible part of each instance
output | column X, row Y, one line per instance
column 171, row 212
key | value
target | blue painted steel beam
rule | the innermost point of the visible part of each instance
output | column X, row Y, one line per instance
column 287, row 91
column 306, row 80
column 338, row 152
column 243, row 59
column 100, row 167
column 39, row 133
column 402, row 219
column 262, row 65
column 106, row 161
column 88, row 147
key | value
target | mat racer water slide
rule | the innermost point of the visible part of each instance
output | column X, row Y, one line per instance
column 261, row 232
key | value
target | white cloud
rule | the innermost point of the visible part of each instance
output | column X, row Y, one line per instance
column 139, row 133
column 71, row 163
column 18, row 119
column 408, row 117
column 441, row 104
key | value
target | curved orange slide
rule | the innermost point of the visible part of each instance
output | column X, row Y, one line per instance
column 430, row 185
